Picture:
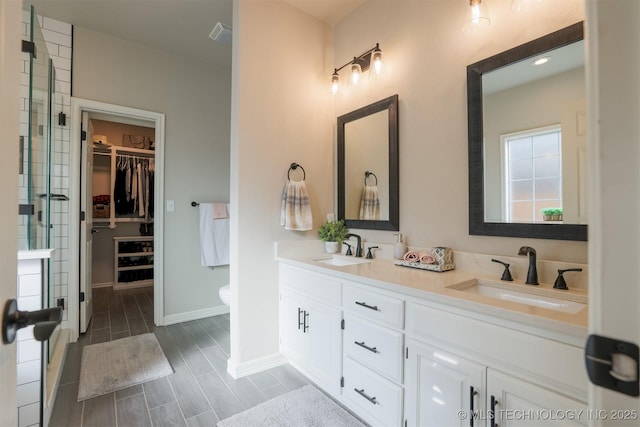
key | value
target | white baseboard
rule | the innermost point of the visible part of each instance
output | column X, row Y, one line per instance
column 195, row 315
column 256, row 365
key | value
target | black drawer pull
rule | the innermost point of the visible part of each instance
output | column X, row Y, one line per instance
column 366, row 347
column 492, row 412
column 371, row 307
column 300, row 323
column 363, row 394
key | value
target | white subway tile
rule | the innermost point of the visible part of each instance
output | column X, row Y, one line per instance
column 55, row 37
column 63, row 75
column 29, row 285
column 29, row 266
column 28, row 372
column 28, row 393
column 52, row 49
column 57, row 26
column 61, row 63
column 29, row 350
column 29, row 415
column 30, row 303
column 64, row 52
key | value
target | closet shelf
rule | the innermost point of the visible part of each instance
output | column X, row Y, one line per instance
column 135, row 267
column 132, row 254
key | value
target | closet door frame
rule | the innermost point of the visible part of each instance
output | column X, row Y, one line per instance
column 129, row 115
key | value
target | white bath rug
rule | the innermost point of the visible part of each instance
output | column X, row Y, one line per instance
column 304, row 407
column 119, row 364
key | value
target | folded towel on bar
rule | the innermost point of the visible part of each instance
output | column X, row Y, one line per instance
column 426, row 258
column 220, row 211
column 214, row 238
column 370, row 203
column 295, row 210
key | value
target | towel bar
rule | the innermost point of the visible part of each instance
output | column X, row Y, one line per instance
column 367, row 174
column 295, row 166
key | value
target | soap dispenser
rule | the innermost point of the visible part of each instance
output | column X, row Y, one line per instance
column 399, row 249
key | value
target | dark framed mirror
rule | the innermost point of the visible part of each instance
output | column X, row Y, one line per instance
column 368, row 179
column 527, row 140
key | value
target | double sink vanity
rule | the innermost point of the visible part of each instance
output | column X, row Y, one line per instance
column 406, row 347
column 401, row 346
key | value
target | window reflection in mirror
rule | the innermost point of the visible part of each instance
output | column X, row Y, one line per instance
column 534, row 138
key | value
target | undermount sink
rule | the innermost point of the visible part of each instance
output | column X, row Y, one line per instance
column 505, row 292
column 342, row 260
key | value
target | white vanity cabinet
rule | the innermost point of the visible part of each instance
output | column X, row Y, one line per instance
column 373, row 343
column 310, row 325
column 511, row 374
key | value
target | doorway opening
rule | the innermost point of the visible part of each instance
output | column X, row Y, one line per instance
column 118, row 184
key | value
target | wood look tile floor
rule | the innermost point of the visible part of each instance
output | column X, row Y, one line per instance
column 199, row 393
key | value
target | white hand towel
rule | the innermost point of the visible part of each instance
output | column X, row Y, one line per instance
column 370, row 203
column 295, row 212
column 220, row 211
column 214, row 238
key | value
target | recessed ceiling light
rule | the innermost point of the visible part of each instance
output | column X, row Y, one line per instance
column 541, row 61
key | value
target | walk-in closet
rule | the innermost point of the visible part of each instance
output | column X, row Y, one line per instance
column 123, row 205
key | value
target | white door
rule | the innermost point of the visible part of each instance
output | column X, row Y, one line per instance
column 521, row 403
column 10, row 13
column 324, row 330
column 86, row 225
column 613, row 94
column 441, row 386
column 293, row 337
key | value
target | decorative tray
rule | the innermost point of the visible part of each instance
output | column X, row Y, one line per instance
column 430, row 267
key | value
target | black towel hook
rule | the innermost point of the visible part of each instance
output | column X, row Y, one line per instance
column 295, row 166
column 367, row 174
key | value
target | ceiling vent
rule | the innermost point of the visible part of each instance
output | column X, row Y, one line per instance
column 221, row 33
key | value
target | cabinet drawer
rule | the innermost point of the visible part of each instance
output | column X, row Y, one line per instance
column 372, row 305
column 324, row 288
column 374, row 346
column 377, row 400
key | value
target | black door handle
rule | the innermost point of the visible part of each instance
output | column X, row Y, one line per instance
column 370, row 307
column 492, row 413
column 366, row 347
column 472, row 397
column 45, row 321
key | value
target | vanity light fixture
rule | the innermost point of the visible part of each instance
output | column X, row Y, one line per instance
column 371, row 59
column 477, row 16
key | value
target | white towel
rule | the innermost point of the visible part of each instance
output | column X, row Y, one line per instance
column 220, row 211
column 295, row 211
column 214, row 238
column 370, row 203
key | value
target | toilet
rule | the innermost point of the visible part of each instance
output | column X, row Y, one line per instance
column 225, row 294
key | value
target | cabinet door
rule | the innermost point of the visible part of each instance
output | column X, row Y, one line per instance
column 294, row 341
column 325, row 333
column 439, row 385
column 521, row 403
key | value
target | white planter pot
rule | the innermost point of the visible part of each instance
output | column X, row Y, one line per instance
column 332, row 247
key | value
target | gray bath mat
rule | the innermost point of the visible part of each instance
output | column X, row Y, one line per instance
column 306, row 406
column 116, row 365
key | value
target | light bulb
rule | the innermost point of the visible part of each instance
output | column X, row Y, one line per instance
column 335, row 82
column 376, row 60
column 477, row 16
column 356, row 72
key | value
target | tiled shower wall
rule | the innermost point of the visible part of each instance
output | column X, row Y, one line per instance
column 57, row 36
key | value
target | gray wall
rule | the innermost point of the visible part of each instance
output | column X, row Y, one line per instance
column 195, row 98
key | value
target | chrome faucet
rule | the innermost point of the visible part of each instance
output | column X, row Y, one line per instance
column 358, row 244
column 532, row 273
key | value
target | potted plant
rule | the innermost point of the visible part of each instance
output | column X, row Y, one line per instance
column 333, row 233
column 556, row 215
column 552, row 214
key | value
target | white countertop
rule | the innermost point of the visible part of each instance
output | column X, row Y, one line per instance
column 433, row 287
